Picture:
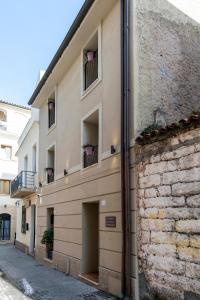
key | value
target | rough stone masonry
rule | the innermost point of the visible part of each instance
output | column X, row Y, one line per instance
column 168, row 190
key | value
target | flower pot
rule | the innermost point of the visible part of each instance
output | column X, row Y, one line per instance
column 51, row 105
column 49, row 171
column 90, row 56
column 50, row 254
column 89, row 150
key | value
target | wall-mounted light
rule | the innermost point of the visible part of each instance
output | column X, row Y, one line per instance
column 17, row 203
column 112, row 149
column 40, row 184
column 65, row 172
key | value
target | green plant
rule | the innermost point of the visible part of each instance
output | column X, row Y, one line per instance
column 47, row 238
column 150, row 128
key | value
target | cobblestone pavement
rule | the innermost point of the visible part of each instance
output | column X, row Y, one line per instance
column 9, row 292
column 23, row 278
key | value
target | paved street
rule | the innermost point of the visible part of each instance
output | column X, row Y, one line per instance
column 23, row 278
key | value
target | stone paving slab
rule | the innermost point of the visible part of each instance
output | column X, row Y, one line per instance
column 39, row 282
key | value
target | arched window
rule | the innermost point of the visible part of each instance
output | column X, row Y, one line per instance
column 3, row 116
column 5, row 222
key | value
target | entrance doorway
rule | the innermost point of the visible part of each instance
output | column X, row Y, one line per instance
column 90, row 258
column 5, row 221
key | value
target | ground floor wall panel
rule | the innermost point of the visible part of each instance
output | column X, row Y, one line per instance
column 68, row 203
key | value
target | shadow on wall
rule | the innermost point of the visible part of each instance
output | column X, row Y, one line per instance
column 169, row 62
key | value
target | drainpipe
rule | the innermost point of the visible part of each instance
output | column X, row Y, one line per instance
column 125, row 155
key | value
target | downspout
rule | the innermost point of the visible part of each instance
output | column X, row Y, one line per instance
column 125, row 152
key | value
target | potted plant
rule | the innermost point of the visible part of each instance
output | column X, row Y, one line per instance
column 90, row 55
column 47, row 240
column 88, row 149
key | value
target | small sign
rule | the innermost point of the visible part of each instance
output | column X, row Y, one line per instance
column 110, row 221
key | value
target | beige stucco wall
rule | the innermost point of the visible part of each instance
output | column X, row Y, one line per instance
column 100, row 182
column 25, row 238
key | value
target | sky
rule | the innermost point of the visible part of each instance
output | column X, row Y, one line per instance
column 30, row 34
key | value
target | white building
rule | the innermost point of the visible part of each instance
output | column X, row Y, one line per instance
column 24, row 185
column 13, row 119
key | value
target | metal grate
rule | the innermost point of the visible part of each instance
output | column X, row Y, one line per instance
column 91, row 159
column 25, row 179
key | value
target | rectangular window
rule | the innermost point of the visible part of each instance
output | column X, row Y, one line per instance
column 5, row 187
column 51, row 110
column 50, row 164
column 34, row 158
column 5, row 152
column 23, row 229
column 90, row 62
column 91, row 139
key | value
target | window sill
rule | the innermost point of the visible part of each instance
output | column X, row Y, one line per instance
column 91, row 88
column 51, row 128
column 89, row 167
column 48, row 260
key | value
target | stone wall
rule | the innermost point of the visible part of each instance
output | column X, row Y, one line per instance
column 168, row 59
column 169, row 217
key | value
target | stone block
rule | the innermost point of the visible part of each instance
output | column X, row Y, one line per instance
column 177, row 213
column 164, row 202
column 193, row 201
column 167, row 264
column 152, row 192
column 190, row 161
column 183, row 151
column 197, row 147
column 151, row 213
column 164, row 190
column 195, row 241
column 155, row 158
column 188, row 226
column 182, row 176
column 189, row 135
column 171, row 238
column 141, row 193
column 160, row 250
column 189, row 254
column 145, row 237
column 149, row 181
column 157, row 225
column 160, row 167
column 191, row 188
column 192, row 270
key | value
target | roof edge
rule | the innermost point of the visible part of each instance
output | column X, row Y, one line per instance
column 15, row 104
column 74, row 27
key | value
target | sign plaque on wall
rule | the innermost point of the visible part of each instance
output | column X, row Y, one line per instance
column 110, row 221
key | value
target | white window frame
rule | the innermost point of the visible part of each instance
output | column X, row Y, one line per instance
column 55, row 91
column 99, row 109
column 55, row 164
column 36, row 166
column 84, row 92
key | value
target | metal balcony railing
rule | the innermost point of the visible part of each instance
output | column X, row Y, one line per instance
column 90, row 159
column 24, row 180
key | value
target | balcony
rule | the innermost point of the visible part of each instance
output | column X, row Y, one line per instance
column 90, row 157
column 23, row 185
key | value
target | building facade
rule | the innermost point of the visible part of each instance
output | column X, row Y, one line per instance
column 10, row 115
column 23, row 187
column 122, row 67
